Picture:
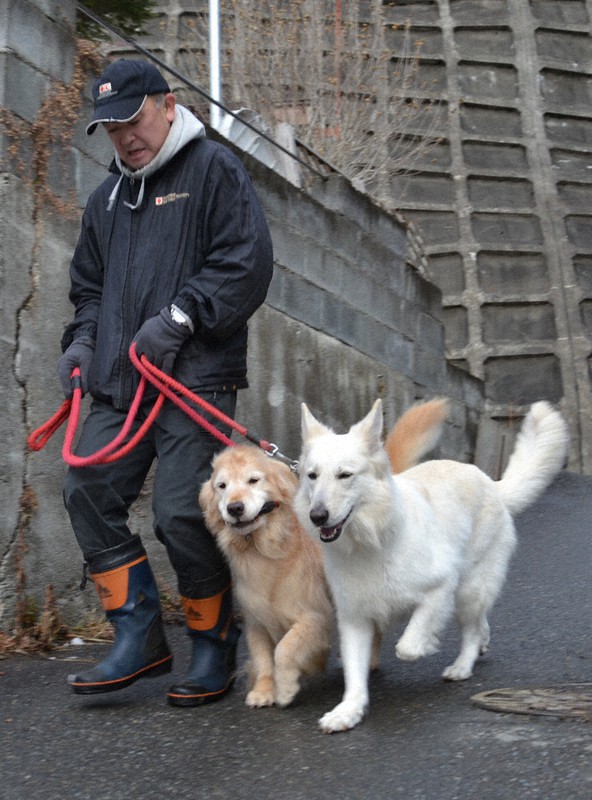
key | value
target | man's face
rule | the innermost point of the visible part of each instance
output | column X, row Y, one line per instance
column 138, row 141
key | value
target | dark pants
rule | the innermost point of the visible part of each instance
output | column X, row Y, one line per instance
column 98, row 498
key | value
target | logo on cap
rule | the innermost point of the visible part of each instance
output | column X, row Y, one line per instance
column 104, row 87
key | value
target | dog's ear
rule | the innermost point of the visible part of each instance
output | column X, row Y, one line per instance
column 370, row 428
column 209, row 506
column 310, row 426
column 286, row 483
column 206, row 496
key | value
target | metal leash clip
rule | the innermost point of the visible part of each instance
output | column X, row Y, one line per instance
column 273, row 451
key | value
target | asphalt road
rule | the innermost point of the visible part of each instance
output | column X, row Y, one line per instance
column 423, row 739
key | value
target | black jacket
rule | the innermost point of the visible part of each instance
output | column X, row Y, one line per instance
column 199, row 239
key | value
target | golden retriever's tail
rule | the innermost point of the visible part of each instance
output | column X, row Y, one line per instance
column 539, row 453
column 415, row 434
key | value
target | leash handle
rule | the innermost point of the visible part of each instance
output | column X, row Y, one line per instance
column 40, row 437
column 116, row 448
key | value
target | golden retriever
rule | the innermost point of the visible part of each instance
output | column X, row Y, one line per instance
column 277, row 569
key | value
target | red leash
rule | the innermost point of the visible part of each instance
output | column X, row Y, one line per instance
column 169, row 388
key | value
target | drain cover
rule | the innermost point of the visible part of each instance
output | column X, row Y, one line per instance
column 568, row 701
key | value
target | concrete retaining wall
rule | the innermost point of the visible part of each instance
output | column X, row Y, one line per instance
column 347, row 319
column 504, row 203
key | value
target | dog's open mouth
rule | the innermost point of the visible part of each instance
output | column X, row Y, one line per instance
column 330, row 534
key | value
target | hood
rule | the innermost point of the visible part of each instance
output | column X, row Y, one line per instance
column 184, row 129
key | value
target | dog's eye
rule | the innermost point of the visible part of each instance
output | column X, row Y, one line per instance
column 312, row 476
column 342, row 476
column 221, row 485
column 253, row 481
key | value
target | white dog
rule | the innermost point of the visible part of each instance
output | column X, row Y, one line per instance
column 424, row 545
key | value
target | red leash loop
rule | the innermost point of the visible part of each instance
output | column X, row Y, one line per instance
column 40, row 437
column 110, row 451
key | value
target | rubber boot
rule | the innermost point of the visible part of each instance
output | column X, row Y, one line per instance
column 214, row 638
column 128, row 593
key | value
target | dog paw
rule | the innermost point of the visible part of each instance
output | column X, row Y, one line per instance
column 457, row 672
column 257, row 699
column 287, row 685
column 406, row 654
column 285, row 695
column 412, row 651
column 342, row 718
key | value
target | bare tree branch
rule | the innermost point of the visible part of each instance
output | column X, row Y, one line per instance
column 324, row 67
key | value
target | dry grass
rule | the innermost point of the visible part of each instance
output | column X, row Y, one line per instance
column 35, row 635
column 47, row 633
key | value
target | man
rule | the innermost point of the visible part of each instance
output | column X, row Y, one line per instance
column 175, row 255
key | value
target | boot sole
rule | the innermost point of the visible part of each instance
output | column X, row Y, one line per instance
column 192, row 701
column 101, row 687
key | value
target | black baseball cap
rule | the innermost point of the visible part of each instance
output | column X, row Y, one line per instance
column 120, row 92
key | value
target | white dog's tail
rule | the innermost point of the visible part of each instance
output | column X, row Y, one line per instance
column 539, row 453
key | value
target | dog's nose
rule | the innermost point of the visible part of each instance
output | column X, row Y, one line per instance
column 318, row 515
column 236, row 509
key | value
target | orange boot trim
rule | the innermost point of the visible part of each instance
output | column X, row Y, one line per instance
column 204, row 614
column 112, row 586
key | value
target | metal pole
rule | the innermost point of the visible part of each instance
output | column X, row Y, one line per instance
column 215, row 63
column 183, row 78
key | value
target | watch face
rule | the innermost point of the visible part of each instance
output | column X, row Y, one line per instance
column 180, row 318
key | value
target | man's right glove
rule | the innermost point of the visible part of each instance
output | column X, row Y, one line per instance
column 160, row 338
column 79, row 354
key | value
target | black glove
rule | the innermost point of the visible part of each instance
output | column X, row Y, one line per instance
column 79, row 354
column 160, row 339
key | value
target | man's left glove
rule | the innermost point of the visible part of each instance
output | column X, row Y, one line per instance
column 160, row 339
column 79, row 354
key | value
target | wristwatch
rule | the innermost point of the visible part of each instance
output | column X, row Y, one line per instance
column 181, row 318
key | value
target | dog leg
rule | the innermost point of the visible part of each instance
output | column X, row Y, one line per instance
column 260, row 668
column 475, row 598
column 356, row 651
column 302, row 651
column 287, row 682
column 484, row 644
column 475, row 641
column 421, row 636
column 376, row 643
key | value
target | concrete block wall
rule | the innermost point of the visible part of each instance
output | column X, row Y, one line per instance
column 347, row 320
column 36, row 48
column 503, row 203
